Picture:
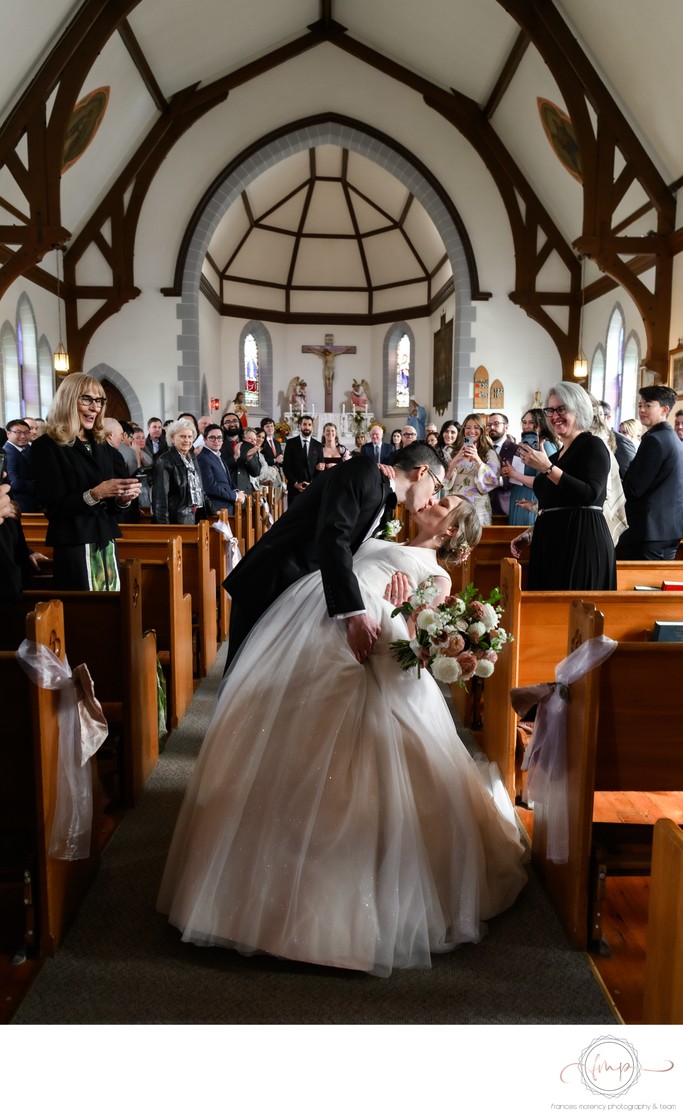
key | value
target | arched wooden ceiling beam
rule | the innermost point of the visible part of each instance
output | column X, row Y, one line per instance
column 526, row 224
column 604, row 188
column 64, row 69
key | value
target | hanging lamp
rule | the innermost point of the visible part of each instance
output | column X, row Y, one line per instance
column 60, row 355
column 581, row 361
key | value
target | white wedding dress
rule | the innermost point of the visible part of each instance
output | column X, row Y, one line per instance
column 333, row 815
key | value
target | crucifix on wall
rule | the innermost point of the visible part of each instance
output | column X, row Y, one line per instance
column 328, row 352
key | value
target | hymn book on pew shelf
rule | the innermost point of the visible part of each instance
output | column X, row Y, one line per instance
column 668, row 631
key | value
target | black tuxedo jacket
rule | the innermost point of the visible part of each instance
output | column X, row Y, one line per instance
column 500, row 497
column 297, row 467
column 20, row 476
column 322, row 531
column 267, row 452
column 386, row 452
column 653, row 488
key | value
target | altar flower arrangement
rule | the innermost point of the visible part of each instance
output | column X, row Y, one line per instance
column 456, row 640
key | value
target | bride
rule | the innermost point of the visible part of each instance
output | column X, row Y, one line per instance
column 333, row 815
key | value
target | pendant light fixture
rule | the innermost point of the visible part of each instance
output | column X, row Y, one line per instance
column 60, row 356
column 581, row 362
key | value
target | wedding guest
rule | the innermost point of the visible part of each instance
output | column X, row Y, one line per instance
column 632, row 430
column 625, row 449
column 653, row 484
column 177, row 491
column 379, row 451
column 76, row 485
column 216, row 479
column 19, row 465
column 301, row 457
column 505, row 447
column 155, row 443
column 447, row 436
column 396, row 440
column 474, row 468
column 571, row 547
column 678, row 423
column 272, row 449
column 334, row 452
column 409, row 434
column 535, row 433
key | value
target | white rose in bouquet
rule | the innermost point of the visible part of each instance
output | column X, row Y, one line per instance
column 446, row 669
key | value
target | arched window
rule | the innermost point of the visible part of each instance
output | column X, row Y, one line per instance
column 251, row 372
column 399, row 365
column 628, row 403
column 256, row 367
column 615, row 370
column 46, row 376
column 11, row 378
column 597, row 378
column 27, row 345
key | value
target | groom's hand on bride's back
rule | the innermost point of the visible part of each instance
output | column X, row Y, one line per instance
column 362, row 632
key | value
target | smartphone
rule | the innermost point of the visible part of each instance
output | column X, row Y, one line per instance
column 468, row 441
column 530, row 439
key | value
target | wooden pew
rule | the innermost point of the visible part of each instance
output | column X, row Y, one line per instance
column 199, row 577
column 47, row 890
column 538, row 621
column 483, row 566
column 167, row 611
column 639, row 572
column 623, row 738
column 105, row 631
column 663, row 995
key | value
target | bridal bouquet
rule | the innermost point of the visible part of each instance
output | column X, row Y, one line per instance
column 456, row 640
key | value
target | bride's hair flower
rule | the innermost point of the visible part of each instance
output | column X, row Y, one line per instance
column 456, row 640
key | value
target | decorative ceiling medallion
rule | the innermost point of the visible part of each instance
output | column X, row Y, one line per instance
column 83, row 124
column 561, row 137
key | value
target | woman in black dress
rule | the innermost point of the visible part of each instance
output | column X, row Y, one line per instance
column 571, row 547
column 75, row 484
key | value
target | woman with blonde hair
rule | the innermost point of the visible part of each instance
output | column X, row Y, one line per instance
column 474, row 468
column 75, row 485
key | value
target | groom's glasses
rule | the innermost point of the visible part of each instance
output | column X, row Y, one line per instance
column 438, row 481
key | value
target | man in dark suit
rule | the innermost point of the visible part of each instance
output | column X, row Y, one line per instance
column 323, row 531
column 272, row 449
column 653, row 485
column 18, row 465
column 215, row 475
column 155, row 443
column 302, row 455
column 505, row 448
column 625, row 450
column 378, row 451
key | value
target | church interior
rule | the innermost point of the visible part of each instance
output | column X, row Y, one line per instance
column 456, row 203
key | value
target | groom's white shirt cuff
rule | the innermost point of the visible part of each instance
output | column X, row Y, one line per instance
column 373, row 528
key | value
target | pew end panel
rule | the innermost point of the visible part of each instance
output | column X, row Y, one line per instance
column 663, row 994
column 48, row 890
column 617, row 742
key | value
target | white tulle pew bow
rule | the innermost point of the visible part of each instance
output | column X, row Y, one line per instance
column 545, row 758
column 231, row 543
column 82, row 730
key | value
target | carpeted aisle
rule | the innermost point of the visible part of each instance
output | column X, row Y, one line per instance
column 123, row 964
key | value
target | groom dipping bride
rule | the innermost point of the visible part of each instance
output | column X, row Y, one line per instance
column 322, row 531
column 333, row 815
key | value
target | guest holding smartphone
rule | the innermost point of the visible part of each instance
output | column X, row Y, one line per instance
column 474, row 468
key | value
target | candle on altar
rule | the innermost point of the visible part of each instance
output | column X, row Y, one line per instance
column 343, row 409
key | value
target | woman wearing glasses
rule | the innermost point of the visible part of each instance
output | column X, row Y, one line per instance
column 74, row 483
column 474, row 467
column 571, row 547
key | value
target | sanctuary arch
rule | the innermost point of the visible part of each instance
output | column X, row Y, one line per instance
column 242, row 172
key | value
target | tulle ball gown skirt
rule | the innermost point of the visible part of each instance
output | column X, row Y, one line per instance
column 334, row 816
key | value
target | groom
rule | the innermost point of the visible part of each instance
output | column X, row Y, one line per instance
column 323, row 531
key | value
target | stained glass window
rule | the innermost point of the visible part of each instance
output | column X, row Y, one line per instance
column 251, row 372
column 403, row 372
